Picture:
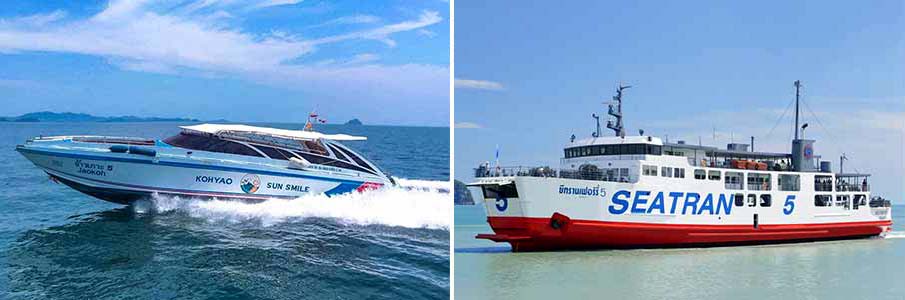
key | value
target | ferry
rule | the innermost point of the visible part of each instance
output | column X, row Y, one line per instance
column 642, row 192
column 227, row 161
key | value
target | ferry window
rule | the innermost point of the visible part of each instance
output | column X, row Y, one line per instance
column 623, row 175
column 620, row 149
column 842, row 200
column 713, row 175
column 823, row 200
column 823, row 183
column 861, row 199
column 734, row 180
column 649, row 170
column 766, row 200
column 679, row 173
column 789, row 182
column 209, row 143
column 759, row 182
column 274, row 152
column 739, row 199
column 666, row 172
column 752, row 200
column 700, row 174
column 500, row 191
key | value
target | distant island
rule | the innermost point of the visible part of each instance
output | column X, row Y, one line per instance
column 461, row 194
column 354, row 122
column 47, row 116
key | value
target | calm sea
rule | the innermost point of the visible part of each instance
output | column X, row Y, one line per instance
column 854, row 269
column 56, row 243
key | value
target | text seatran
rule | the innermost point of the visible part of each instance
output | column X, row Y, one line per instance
column 645, row 202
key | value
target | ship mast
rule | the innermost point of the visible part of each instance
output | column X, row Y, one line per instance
column 797, row 88
column 615, row 110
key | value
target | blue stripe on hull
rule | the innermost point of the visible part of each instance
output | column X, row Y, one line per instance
column 342, row 188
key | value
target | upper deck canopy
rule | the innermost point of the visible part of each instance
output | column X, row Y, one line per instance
column 239, row 130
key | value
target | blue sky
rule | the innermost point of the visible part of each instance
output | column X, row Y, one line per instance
column 384, row 62
column 528, row 76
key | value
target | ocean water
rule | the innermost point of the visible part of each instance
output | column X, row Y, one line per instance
column 56, row 243
column 853, row 269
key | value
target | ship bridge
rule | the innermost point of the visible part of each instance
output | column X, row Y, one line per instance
column 613, row 145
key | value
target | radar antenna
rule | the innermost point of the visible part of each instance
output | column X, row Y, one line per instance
column 615, row 110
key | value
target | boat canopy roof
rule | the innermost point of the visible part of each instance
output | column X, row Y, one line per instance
column 250, row 131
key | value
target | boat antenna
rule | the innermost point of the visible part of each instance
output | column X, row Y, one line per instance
column 313, row 118
column 596, row 118
column 797, row 94
column 309, row 126
column 615, row 110
column 842, row 159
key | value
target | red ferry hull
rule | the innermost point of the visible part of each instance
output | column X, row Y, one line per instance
column 561, row 233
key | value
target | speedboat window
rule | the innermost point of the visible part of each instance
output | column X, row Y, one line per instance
column 315, row 147
column 357, row 159
column 209, row 143
column 338, row 154
column 274, row 152
column 327, row 161
column 113, row 140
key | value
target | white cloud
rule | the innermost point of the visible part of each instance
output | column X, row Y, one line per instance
column 362, row 58
column 382, row 33
column 427, row 33
column 270, row 3
column 35, row 20
column 467, row 125
column 142, row 36
column 478, row 84
column 356, row 19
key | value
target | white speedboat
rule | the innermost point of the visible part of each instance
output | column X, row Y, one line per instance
column 207, row 161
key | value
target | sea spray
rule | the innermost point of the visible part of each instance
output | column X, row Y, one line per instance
column 895, row 235
column 391, row 206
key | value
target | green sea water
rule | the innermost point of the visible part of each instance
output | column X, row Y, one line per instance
column 852, row 269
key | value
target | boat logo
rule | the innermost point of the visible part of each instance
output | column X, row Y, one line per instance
column 250, row 183
column 808, row 151
column 501, row 204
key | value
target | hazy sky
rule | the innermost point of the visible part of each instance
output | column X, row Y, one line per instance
column 384, row 62
column 528, row 76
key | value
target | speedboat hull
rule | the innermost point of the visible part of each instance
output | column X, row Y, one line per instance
column 126, row 177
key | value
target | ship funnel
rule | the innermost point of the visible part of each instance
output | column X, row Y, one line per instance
column 803, row 158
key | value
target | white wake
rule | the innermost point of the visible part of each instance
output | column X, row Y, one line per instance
column 392, row 206
column 895, row 235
